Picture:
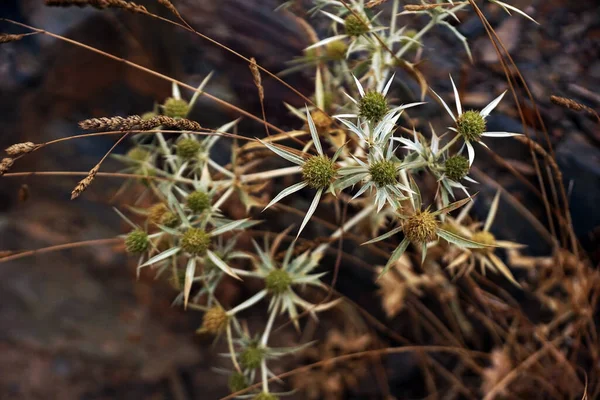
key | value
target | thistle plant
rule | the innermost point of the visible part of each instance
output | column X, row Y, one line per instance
column 379, row 176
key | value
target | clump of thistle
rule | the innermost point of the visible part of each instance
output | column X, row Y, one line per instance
column 421, row 227
column 336, row 50
column 188, row 148
column 237, row 382
column 214, row 321
column 278, row 281
column 470, row 125
column 373, row 106
column 195, row 241
column 137, row 242
column 355, row 26
column 456, row 167
column 252, row 356
column 383, row 173
column 198, row 201
column 161, row 215
column 318, row 171
column 176, row 108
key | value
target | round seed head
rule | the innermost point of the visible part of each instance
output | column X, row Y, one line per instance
column 470, row 125
column 161, row 215
column 138, row 154
column 410, row 34
column 198, row 201
column 176, row 108
column 457, row 167
column 321, row 120
column 373, row 106
column 383, row 173
column 355, row 26
column 137, row 242
column 237, row 382
column 486, row 238
column 148, row 115
column 265, row 396
column 188, row 148
column 278, row 281
column 421, row 227
column 318, row 171
column 195, row 241
column 336, row 50
column 214, row 321
column 251, row 357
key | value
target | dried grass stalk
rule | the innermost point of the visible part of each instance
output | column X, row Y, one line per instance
column 572, row 105
column 375, row 3
column 5, row 165
column 257, row 79
column 99, row 4
column 136, row 122
column 84, row 183
column 424, row 7
column 5, row 37
column 21, row 148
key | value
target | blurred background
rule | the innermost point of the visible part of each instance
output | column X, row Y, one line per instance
column 76, row 324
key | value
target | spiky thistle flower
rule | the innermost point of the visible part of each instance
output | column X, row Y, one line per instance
column 423, row 227
column 467, row 259
column 471, row 125
column 318, row 171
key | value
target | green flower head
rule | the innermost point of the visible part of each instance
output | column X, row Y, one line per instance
column 355, row 26
column 188, row 148
column 176, row 108
column 470, row 125
column 137, row 242
column 457, row 167
column 336, row 50
column 373, row 106
column 195, row 241
column 318, row 171
column 383, row 173
column 278, row 281
column 198, row 201
column 237, row 382
column 251, row 357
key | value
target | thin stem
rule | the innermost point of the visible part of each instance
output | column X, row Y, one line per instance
column 270, row 174
column 49, row 249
